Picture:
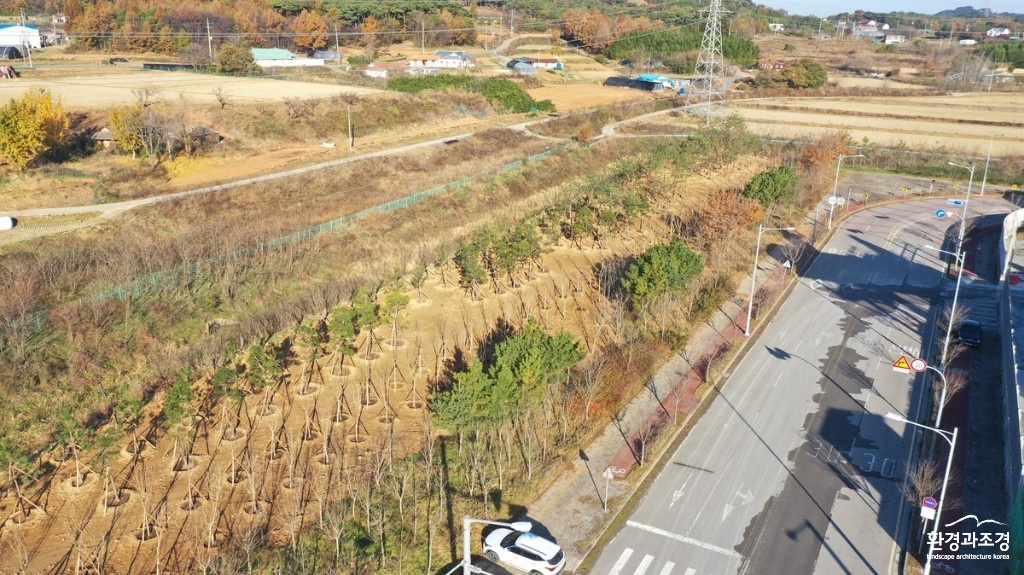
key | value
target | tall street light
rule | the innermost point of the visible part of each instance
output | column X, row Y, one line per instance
column 984, row 177
column 832, row 208
column 753, row 276
column 963, row 218
column 956, row 294
column 942, row 398
column 951, row 440
column 467, row 528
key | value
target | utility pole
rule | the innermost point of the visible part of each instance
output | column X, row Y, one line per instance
column 209, row 39
column 512, row 22
column 423, row 36
column 27, row 40
column 337, row 44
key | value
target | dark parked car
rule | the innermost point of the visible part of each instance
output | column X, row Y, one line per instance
column 969, row 333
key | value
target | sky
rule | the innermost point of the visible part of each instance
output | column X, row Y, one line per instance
column 826, row 8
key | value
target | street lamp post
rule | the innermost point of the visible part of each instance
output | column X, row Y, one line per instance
column 753, row 276
column 951, row 440
column 467, row 528
column 984, row 177
column 956, row 294
column 832, row 207
column 967, row 200
column 942, row 397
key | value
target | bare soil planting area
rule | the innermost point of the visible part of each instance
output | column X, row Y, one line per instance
column 271, row 462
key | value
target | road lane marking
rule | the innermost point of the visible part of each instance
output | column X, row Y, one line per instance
column 690, row 571
column 678, row 493
column 617, row 568
column 668, row 569
column 644, row 564
column 680, row 538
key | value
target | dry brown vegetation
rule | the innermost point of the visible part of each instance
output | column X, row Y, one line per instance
column 317, row 446
column 333, row 459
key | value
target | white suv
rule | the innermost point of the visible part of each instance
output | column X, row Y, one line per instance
column 527, row 552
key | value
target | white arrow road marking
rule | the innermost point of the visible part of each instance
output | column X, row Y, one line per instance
column 815, row 284
column 617, row 568
column 678, row 493
column 680, row 538
column 745, row 498
column 644, row 564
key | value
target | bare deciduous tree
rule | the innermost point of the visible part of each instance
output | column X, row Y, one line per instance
column 222, row 96
column 145, row 95
column 923, row 480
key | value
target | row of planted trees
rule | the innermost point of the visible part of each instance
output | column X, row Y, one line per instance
column 511, row 403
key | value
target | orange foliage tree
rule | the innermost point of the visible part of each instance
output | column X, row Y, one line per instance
column 724, row 215
column 311, row 32
column 592, row 28
column 826, row 149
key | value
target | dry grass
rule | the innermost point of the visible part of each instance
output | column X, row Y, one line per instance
column 963, row 122
column 327, row 269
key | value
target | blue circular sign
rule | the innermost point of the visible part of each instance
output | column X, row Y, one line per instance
column 930, row 502
column 940, row 213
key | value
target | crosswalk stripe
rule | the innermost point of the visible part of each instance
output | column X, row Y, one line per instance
column 690, row 571
column 683, row 538
column 617, row 568
column 644, row 564
column 667, row 569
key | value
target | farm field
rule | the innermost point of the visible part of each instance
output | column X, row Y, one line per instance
column 92, row 90
column 958, row 122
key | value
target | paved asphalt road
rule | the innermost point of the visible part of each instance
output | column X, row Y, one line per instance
column 793, row 469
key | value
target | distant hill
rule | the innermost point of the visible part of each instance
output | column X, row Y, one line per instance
column 970, row 12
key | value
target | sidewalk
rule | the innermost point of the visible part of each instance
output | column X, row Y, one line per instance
column 572, row 509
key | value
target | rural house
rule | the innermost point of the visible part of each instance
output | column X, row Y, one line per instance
column 449, row 59
column 546, row 61
column 384, row 70
column 280, row 58
column 104, row 137
column 521, row 68
column 441, row 60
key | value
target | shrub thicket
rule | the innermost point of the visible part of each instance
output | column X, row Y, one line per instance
column 772, row 186
column 665, row 43
column 662, row 269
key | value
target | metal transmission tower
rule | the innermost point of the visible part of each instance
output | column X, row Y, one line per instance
column 706, row 90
